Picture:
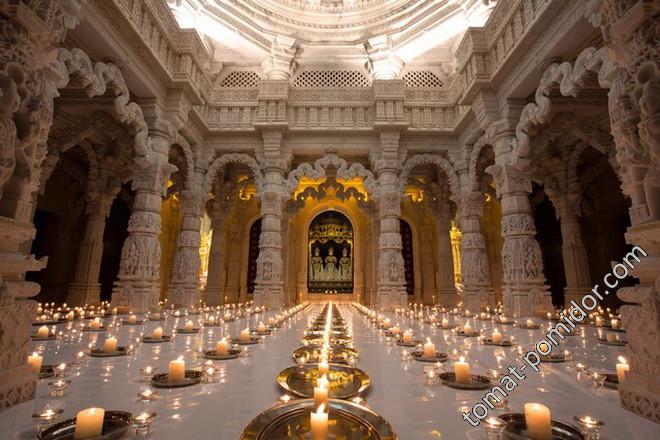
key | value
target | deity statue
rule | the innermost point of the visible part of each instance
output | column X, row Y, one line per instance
column 317, row 265
column 345, row 265
column 331, row 265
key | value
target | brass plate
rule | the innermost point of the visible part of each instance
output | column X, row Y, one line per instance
column 515, row 429
column 439, row 357
column 504, row 343
column 345, row 381
column 336, row 353
column 478, row 382
column 97, row 352
column 161, row 380
column 232, row 353
column 253, row 340
column 115, row 425
column 291, row 421
column 152, row 340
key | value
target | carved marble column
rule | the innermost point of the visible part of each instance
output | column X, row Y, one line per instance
column 269, row 289
column 85, row 288
column 214, row 293
column 630, row 33
column 475, row 269
column 139, row 270
column 525, row 291
column 184, row 286
column 391, row 291
column 574, row 253
column 445, row 282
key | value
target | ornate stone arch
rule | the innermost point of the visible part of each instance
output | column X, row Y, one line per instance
column 434, row 159
column 225, row 159
column 570, row 77
column 97, row 78
column 189, row 157
column 318, row 170
column 478, row 147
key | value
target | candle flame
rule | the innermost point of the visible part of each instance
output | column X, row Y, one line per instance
column 622, row 360
column 461, row 359
column 321, row 409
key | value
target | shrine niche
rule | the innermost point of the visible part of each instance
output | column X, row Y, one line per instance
column 330, row 254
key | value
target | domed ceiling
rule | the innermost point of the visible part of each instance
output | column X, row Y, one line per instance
column 243, row 31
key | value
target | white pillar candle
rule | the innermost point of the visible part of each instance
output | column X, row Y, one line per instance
column 615, row 324
column 323, row 367
column 188, row 326
column 157, row 333
column 221, row 348
column 445, row 323
column 211, row 320
column 599, row 321
column 467, row 329
column 89, row 423
column 245, row 335
column 271, row 321
column 407, row 337
column 177, row 370
column 70, row 316
column 496, row 337
column 321, row 392
column 503, row 319
column 261, row 328
column 429, row 349
column 95, row 324
column 395, row 330
column 43, row 332
column 110, row 345
column 35, row 361
column 226, row 316
column 538, row 421
column 462, row 371
column 132, row 319
column 319, row 422
column 530, row 323
column 56, row 317
column 621, row 369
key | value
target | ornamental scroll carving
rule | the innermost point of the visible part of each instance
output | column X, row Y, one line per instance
column 434, row 159
column 514, row 224
column 318, row 171
column 521, row 260
column 225, row 159
column 140, row 257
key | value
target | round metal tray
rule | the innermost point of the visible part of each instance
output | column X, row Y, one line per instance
column 97, row 352
column 213, row 355
column 337, row 353
column 291, row 421
column 478, row 382
column 614, row 344
column 115, row 425
column 183, row 331
column 515, row 429
column 504, row 343
column 36, row 338
column 345, row 381
column 151, row 340
column 439, row 357
column 161, row 380
column 253, row 340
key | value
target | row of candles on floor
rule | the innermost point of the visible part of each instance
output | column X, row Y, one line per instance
column 319, row 418
column 89, row 422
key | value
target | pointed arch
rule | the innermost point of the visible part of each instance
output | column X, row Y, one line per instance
column 225, row 159
column 434, row 159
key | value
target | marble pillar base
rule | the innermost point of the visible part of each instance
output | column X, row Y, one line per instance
column 574, row 294
column 641, row 395
column 448, row 297
column 17, row 385
column 213, row 296
column 390, row 297
column 183, row 295
column 137, row 296
column 271, row 296
column 477, row 299
column 527, row 300
column 84, row 293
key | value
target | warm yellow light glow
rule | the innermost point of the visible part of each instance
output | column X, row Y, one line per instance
column 455, row 235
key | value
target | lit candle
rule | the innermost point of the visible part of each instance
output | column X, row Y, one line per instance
column 496, row 337
column 321, row 392
column 530, row 323
column 615, row 324
column 89, row 423
column 429, row 349
column 188, row 326
column 43, row 332
column 110, row 345
column 319, row 422
column 70, row 316
column 621, row 369
column 177, row 370
column 132, row 319
column 407, row 337
column 221, row 347
column 211, row 320
column 271, row 321
column 538, row 421
column 324, row 368
column 261, row 328
column 503, row 319
column 395, row 330
column 599, row 321
column 467, row 329
column 95, row 324
column 445, row 323
column 35, row 362
column 245, row 335
column 462, row 371
column 157, row 333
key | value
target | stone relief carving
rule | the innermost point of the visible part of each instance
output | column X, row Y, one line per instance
column 219, row 163
column 441, row 162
